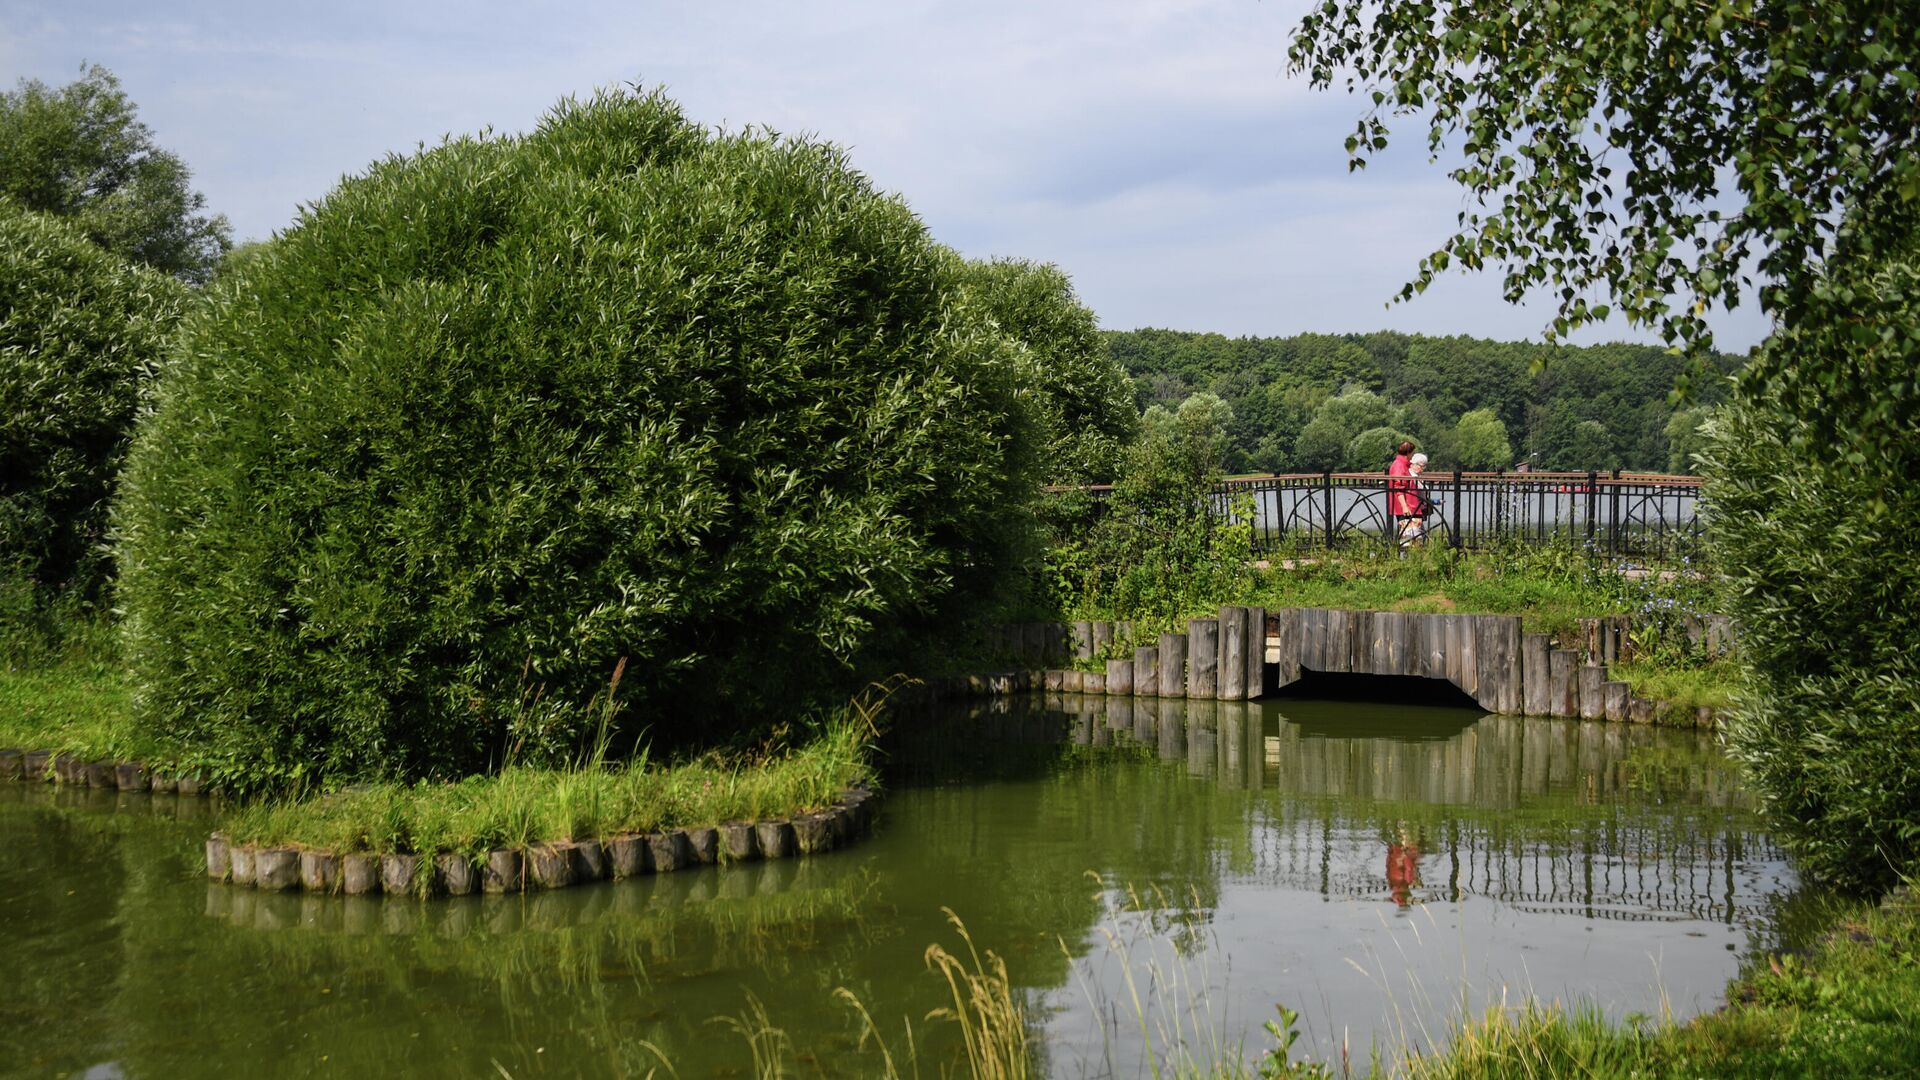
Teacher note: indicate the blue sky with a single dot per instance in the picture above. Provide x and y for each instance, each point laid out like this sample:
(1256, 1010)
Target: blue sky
(1158, 152)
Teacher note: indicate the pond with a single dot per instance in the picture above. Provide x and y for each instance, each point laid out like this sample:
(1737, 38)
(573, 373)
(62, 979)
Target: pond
(1378, 868)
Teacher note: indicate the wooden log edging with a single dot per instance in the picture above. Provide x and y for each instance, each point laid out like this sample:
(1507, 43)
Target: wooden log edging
(55, 767)
(1245, 652)
(555, 864)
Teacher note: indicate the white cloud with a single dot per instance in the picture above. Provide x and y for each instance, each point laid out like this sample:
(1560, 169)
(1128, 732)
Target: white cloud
(1156, 150)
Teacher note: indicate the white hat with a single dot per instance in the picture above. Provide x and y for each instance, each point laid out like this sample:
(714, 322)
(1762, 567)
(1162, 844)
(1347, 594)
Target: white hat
(1417, 459)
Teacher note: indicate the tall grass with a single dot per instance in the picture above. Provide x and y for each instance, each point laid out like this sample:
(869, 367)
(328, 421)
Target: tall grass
(595, 796)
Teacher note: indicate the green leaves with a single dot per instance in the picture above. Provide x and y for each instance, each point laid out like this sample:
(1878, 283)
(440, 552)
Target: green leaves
(79, 153)
(1792, 119)
(497, 415)
(1809, 472)
(81, 333)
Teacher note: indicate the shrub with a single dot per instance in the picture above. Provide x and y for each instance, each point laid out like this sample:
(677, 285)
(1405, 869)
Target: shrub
(1084, 397)
(80, 331)
(492, 416)
(1164, 547)
(1816, 524)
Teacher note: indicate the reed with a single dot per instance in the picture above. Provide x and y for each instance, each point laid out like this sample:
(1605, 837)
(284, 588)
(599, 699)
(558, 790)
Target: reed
(596, 796)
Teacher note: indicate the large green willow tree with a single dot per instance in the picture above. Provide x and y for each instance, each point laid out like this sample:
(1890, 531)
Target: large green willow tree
(1658, 157)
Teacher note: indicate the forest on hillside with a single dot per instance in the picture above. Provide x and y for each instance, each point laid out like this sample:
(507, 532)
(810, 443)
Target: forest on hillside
(1312, 402)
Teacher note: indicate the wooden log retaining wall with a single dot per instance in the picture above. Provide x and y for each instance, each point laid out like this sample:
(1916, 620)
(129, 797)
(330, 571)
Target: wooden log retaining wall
(553, 865)
(54, 767)
(1246, 653)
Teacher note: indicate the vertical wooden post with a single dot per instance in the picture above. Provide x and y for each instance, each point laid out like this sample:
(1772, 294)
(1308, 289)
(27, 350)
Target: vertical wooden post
(1562, 688)
(1433, 630)
(1338, 643)
(1102, 637)
(1534, 649)
(1120, 678)
(1593, 694)
(1232, 681)
(1256, 682)
(1287, 636)
(1507, 634)
(1618, 694)
(1307, 630)
(1383, 637)
(1203, 658)
(1083, 640)
(1466, 637)
(1146, 671)
(1173, 665)
(1359, 641)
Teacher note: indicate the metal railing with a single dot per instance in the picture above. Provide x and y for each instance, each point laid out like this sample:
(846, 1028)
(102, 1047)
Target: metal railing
(1646, 515)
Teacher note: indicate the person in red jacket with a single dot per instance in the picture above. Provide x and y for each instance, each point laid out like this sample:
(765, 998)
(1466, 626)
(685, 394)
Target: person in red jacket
(1403, 865)
(1404, 501)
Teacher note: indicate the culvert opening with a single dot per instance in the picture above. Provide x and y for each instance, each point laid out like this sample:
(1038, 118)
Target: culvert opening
(1378, 689)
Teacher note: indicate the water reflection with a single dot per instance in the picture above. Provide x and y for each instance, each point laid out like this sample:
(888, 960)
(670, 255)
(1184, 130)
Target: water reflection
(1612, 820)
(1368, 866)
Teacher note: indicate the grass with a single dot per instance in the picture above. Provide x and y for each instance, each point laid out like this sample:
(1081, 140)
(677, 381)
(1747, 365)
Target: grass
(75, 699)
(597, 797)
(1850, 1007)
(1550, 587)
(1680, 685)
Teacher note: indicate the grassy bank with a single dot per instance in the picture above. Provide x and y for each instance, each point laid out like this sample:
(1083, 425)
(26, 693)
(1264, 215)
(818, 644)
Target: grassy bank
(1549, 587)
(76, 699)
(1850, 1007)
(598, 797)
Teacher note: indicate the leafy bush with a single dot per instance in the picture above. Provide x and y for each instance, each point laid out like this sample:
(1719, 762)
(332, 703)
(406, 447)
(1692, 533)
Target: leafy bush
(80, 331)
(1084, 397)
(491, 417)
(1161, 549)
(1811, 477)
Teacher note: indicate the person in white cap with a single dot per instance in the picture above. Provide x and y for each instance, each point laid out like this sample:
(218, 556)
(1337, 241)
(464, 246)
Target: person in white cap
(1413, 525)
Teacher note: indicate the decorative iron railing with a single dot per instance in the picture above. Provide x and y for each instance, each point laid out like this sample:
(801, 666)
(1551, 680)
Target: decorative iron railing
(1639, 515)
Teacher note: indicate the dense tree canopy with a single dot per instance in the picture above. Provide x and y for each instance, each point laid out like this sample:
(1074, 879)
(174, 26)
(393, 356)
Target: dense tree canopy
(1084, 399)
(491, 417)
(1298, 402)
(80, 330)
(79, 152)
(1659, 156)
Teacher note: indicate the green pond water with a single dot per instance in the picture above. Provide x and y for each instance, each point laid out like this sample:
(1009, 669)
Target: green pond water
(1378, 868)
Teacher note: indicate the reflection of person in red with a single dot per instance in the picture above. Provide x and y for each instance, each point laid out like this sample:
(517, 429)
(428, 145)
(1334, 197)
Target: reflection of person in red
(1403, 866)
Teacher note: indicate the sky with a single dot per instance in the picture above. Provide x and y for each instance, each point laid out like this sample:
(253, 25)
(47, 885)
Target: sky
(1158, 152)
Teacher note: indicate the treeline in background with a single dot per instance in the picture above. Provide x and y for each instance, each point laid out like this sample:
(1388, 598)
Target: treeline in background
(1315, 402)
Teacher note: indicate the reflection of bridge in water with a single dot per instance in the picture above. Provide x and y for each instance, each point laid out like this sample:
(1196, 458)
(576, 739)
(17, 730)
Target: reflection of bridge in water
(1601, 821)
